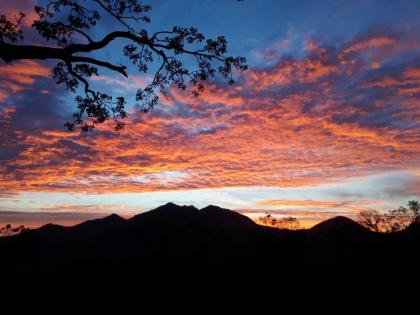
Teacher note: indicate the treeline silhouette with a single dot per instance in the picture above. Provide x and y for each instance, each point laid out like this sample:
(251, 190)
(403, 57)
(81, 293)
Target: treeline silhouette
(174, 241)
(391, 221)
(288, 223)
(374, 220)
(8, 230)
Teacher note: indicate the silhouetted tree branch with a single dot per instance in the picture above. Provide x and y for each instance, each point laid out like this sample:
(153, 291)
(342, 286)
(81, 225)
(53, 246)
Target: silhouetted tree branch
(68, 22)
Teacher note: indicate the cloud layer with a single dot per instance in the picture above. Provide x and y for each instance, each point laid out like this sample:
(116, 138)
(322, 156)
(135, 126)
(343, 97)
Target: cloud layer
(335, 113)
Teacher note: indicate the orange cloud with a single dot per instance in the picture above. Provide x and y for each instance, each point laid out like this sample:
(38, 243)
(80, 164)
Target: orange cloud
(412, 73)
(18, 76)
(370, 43)
(24, 71)
(298, 123)
(290, 71)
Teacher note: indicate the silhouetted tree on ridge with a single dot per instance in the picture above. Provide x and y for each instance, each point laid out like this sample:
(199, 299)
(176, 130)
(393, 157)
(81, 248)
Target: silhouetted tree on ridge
(391, 221)
(7, 230)
(289, 223)
(68, 25)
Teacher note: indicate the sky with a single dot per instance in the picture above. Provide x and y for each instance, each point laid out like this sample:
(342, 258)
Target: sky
(325, 122)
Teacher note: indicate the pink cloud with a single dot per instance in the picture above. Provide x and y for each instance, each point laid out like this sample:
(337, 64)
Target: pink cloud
(18, 76)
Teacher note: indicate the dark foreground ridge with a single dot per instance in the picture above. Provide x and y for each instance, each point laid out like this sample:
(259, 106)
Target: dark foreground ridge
(182, 241)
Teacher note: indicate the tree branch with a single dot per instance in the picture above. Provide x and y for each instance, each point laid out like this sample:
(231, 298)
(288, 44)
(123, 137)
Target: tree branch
(89, 39)
(80, 78)
(10, 52)
(103, 6)
(120, 69)
(77, 64)
(74, 48)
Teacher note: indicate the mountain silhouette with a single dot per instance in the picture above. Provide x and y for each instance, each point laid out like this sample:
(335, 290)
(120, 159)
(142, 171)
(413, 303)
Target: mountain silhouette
(169, 213)
(220, 217)
(338, 224)
(183, 241)
(340, 229)
(109, 222)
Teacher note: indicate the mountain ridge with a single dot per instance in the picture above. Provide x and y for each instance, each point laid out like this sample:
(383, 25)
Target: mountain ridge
(183, 240)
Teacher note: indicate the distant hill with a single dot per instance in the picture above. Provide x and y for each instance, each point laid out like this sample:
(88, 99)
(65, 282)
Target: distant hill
(340, 223)
(183, 241)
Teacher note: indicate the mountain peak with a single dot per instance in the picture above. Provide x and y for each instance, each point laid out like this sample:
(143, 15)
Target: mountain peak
(218, 216)
(338, 223)
(168, 211)
(113, 217)
(212, 208)
(111, 221)
(170, 206)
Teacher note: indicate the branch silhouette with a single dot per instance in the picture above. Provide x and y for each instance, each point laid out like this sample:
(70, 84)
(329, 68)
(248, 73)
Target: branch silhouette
(69, 25)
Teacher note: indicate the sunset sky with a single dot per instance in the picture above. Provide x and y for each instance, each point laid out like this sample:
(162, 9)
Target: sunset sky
(326, 121)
